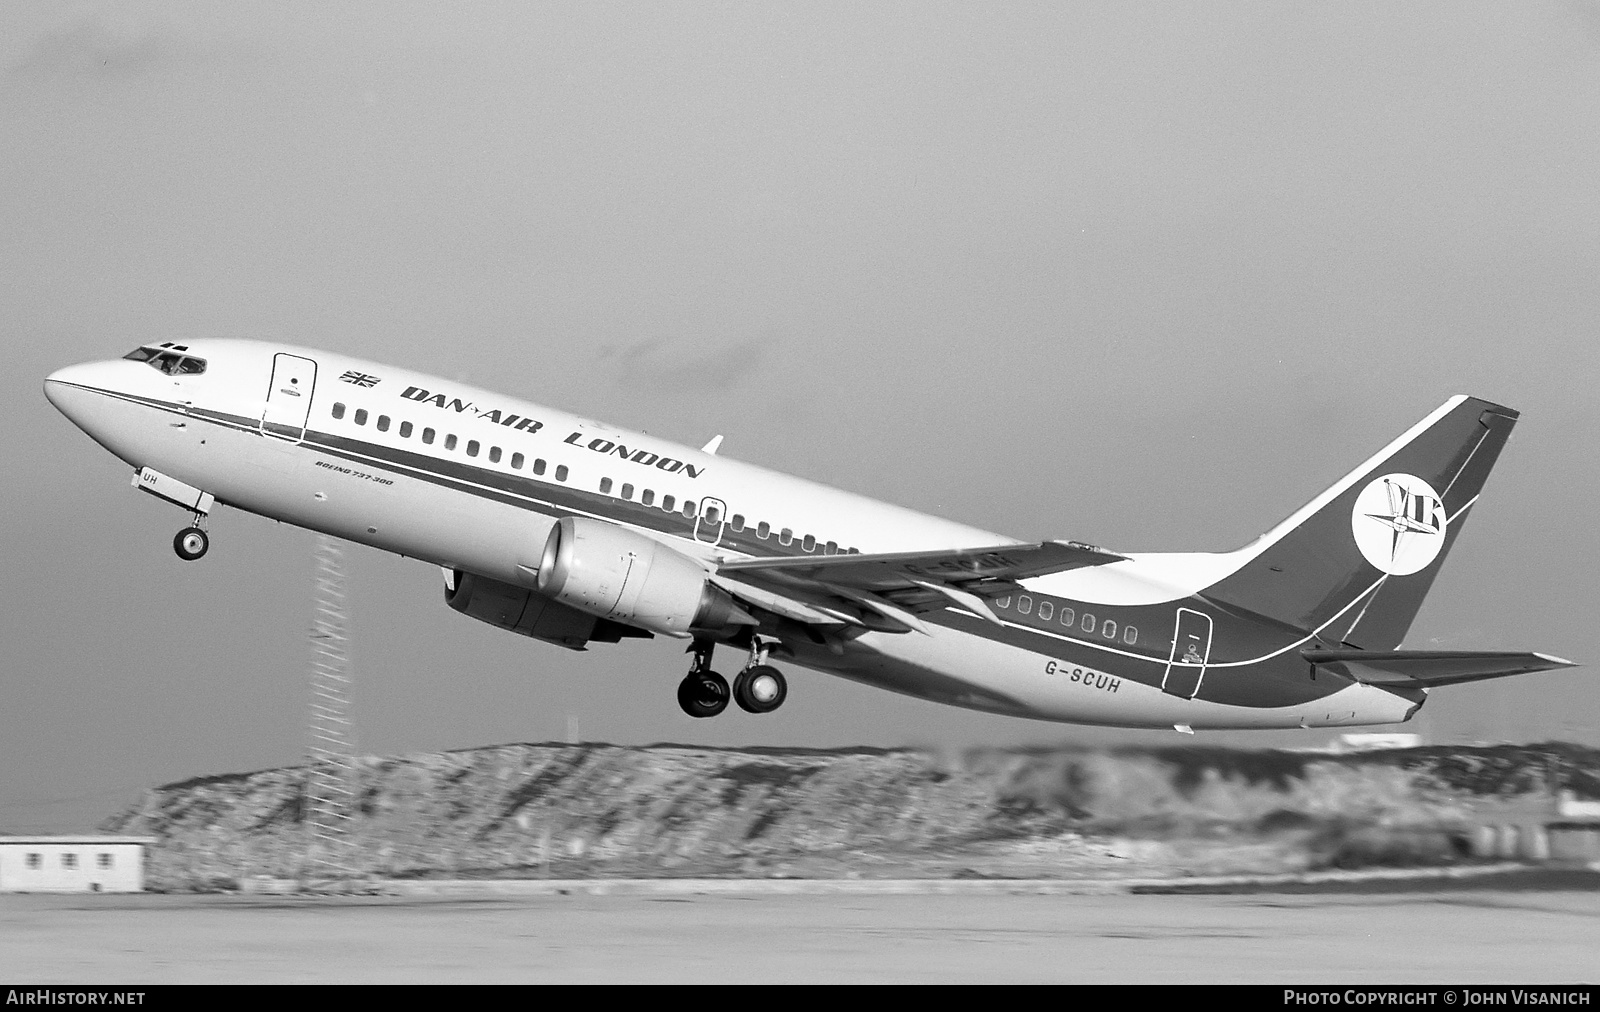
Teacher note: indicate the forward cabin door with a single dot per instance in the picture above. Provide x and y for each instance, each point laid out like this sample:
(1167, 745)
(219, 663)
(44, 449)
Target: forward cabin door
(289, 397)
(1191, 647)
(709, 522)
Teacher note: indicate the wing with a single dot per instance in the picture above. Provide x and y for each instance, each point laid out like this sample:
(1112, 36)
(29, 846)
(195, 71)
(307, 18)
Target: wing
(1427, 668)
(885, 591)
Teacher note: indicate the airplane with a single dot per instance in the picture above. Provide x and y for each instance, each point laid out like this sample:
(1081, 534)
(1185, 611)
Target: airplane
(573, 532)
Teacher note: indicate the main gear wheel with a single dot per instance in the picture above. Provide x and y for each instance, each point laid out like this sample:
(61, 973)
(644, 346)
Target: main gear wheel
(703, 694)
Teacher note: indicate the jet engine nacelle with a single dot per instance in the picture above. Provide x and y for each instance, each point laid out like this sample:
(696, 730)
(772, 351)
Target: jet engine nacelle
(616, 574)
(528, 612)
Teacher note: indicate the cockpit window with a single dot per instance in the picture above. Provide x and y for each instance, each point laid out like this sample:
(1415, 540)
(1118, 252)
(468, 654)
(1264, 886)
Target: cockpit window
(168, 359)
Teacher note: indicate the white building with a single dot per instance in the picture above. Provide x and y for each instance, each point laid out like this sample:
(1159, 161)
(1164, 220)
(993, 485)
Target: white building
(68, 864)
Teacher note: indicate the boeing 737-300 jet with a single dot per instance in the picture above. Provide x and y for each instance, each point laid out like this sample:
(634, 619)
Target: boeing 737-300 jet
(573, 532)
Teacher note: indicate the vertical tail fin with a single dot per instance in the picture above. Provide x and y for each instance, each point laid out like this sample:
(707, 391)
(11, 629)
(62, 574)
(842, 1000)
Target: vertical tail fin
(1357, 560)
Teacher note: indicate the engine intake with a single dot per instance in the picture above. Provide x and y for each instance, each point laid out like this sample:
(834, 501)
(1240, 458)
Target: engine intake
(616, 574)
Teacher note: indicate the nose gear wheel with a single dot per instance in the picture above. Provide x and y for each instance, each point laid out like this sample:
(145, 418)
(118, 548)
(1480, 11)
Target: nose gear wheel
(191, 543)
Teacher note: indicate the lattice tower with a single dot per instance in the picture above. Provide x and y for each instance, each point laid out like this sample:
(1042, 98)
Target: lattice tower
(331, 775)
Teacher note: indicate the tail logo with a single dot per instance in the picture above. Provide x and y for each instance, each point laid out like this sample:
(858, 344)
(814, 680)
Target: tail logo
(1398, 523)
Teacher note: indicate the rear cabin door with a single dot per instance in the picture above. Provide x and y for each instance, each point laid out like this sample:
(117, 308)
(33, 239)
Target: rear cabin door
(709, 522)
(1191, 647)
(289, 397)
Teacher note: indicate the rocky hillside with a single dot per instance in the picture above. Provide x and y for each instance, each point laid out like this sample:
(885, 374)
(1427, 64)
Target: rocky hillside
(592, 810)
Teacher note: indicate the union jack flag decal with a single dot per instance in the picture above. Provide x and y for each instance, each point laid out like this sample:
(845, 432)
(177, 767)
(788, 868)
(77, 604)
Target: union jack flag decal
(360, 379)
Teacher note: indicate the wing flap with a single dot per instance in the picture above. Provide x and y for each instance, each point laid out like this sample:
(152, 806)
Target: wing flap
(805, 609)
(899, 570)
(885, 591)
(1427, 668)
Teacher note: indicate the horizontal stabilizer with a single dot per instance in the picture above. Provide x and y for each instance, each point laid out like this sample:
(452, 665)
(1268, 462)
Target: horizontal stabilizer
(1410, 669)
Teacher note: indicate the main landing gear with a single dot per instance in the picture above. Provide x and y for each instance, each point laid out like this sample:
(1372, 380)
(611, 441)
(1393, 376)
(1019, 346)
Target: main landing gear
(703, 692)
(759, 688)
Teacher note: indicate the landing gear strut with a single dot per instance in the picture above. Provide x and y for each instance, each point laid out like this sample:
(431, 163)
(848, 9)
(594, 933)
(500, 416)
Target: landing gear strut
(703, 692)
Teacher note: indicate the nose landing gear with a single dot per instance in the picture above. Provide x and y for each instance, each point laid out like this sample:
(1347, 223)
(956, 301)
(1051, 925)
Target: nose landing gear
(192, 542)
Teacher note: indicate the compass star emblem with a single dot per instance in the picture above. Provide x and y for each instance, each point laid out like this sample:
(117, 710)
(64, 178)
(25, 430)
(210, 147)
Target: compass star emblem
(1398, 523)
(1399, 517)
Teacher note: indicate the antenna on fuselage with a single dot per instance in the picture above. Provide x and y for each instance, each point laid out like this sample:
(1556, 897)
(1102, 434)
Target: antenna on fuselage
(331, 783)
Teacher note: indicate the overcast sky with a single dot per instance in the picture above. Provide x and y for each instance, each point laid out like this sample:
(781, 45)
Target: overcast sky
(1144, 276)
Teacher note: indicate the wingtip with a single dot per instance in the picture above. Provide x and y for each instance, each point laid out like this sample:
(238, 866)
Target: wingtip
(1559, 661)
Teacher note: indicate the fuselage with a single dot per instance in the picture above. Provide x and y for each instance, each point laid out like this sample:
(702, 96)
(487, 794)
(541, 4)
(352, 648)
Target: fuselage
(472, 480)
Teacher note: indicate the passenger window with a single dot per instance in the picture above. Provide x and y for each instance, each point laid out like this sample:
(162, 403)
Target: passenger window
(831, 548)
(737, 522)
(494, 454)
(1024, 604)
(627, 491)
(538, 465)
(1130, 635)
(763, 530)
(1088, 622)
(1046, 610)
(648, 497)
(338, 410)
(1068, 617)
(383, 423)
(1108, 628)
(1003, 602)
(361, 416)
(808, 543)
(605, 485)
(561, 472)
(450, 441)
(427, 435)
(668, 502)
(785, 536)
(516, 461)
(688, 508)
(405, 430)
(472, 447)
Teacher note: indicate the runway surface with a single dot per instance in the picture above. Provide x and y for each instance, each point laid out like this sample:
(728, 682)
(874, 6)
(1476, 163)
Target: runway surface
(1451, 936)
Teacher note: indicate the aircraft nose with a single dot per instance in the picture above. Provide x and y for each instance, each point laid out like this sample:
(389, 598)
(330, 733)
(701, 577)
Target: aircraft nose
(73, 389)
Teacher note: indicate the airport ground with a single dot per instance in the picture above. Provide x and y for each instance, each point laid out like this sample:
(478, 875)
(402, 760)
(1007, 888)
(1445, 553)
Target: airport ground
(1541, 932)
